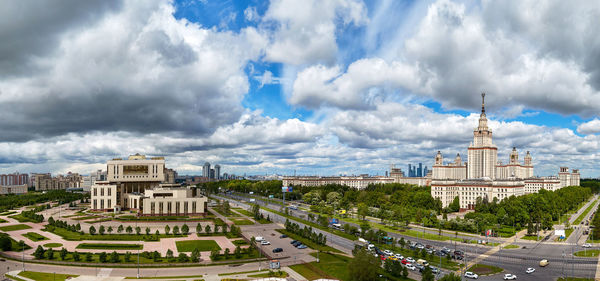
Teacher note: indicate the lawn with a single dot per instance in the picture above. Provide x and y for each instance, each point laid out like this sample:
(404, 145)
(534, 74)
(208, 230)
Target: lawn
(330, 266)
(53, 245)
(109, 246)
(85, 218)
(239, 242)
(587, 253)
(512, 246)
(484, 269)
(3, 220)
(42, 276)
(241, 272)
(21, 218)
(8, 213)
(530, 237)
(230, 214)
(587, 210)
(34, 236)
(307, 242)
(242, 222)
(76, 236)
(14, 227)
(275, 274)
(245, 212)
(202, 245)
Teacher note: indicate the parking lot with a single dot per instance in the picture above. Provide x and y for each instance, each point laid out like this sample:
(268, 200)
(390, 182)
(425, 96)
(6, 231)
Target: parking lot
(269, 234)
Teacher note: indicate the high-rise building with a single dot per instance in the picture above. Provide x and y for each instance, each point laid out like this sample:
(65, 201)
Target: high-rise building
(420, 170)
(14, 179)
(217, 171)
(212, 174)
(206, 170)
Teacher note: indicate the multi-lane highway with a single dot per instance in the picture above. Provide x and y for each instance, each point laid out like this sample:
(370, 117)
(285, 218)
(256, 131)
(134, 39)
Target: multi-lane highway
(516, 261)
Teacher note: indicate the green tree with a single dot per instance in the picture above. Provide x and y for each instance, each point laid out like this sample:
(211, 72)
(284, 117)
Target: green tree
(109, 229)
(155, 256)
(138, 230)
(427, 275)
(147, 231)
(76, 256)
(39, 252)
(63, 253)
(88, 257)
(207, 229)
(216, 230)
(363, 210)
(363, 267)
(185, 229)
(227, 253)
(237, 252)
(182, 257)
(198, 228)
(50, 254)
(169, 254)
(120, 228)
(101, 230)
(176, 230)
(5, 243)
(455, 205)
(167, 229)
(102, 257)
(214, 254)
(129, 229)
(114, 257)
(195, 256)
(92, 230)
(127, 256)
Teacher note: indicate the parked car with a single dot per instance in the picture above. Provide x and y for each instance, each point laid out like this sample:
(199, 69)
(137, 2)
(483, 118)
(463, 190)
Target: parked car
(296, 243)
(434, 270)
(419, 267)
(411, 260)
(259, 238)
(530, 270)
(404, 261)
(283, 236)
(388, 253)
(411, 267)
(277, 250)
(265, 242)
(399, 256)
(422, 262)
(509, 276)
(587, 245)
(302, 246)
(471, 275)
(544, 262)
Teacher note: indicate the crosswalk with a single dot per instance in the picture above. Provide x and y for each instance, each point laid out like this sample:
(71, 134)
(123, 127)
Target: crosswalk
(104, 272)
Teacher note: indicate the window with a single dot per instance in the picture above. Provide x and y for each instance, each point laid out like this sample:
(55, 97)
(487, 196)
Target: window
(109, 191)
(95, 204)
(194, 207)
(95, 193)
(109, 203)
(160, 207)
(101, 191)
(152, 205)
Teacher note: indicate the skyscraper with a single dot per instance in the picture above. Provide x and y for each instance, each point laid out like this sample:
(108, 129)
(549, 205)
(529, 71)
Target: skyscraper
(206, 170)
(218, 171)
(420, 170)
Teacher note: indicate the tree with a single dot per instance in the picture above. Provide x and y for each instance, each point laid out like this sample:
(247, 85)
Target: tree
(102, 257)
(76, 256)
(450, 277)
(207, 229)
(114, 257)
(167, 229)
(237, 252)
(63, 253)
(169, 254)
(176, 230)
(364, 266)
(5, 243)
(120, 228)
(129, 229)
(157, 233)
(227, 253)
(127, 256)
(88, 257)
(216, 230)
(185, 229)
(39, 252)
(101, 230)
(138, 230)
(363, 210)
(182, 257)
(198, 228)
(147, 231)
(404, 272)
(155, 256)
(427, 275)
(214, 254)
(226, 207)
(455, 205)
(92, 230)
(195, 256)
(402, 242)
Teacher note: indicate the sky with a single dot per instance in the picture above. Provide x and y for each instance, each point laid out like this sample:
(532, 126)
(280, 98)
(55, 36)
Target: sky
(313, 87)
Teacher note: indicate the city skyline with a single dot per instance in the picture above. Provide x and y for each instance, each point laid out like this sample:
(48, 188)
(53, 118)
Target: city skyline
(334, 87)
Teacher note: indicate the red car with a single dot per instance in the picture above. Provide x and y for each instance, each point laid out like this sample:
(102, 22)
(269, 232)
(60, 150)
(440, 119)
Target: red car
(404, 261)
(382, 257)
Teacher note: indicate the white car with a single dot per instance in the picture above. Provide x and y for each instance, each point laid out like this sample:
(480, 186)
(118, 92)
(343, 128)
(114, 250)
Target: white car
(587, 245)
(411, 260)
(509, 276)
(399, 257)
(529, 270)
(388, 253)
(471, 275)
(411, 267)
(265, 242)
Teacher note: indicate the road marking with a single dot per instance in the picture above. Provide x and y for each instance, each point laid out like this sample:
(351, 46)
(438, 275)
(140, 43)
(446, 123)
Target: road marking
(104, 272)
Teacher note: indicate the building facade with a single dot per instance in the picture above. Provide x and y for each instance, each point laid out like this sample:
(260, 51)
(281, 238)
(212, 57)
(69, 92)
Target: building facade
(14, 179)
(358, 182)
(483, 176)
(13, 189)
(48, 182)
(138, 181)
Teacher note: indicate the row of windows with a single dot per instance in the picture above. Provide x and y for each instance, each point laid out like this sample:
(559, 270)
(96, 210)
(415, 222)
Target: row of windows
(108, 191)
(101, 206)
(161, 207)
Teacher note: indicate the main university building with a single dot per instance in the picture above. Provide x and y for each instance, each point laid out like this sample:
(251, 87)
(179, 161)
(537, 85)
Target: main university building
(482, 175)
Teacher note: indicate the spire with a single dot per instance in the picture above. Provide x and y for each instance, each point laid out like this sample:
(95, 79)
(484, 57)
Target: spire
(483, 103)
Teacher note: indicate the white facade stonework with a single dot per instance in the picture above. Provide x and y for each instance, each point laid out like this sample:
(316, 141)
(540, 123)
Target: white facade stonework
(359, 182)
(483, 176)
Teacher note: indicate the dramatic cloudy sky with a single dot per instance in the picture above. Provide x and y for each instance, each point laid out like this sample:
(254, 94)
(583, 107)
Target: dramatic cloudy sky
(318, 86)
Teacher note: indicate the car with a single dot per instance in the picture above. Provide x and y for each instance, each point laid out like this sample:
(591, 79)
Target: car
(283, 236)
(277, 250)
(471, 275)
(404, 261)
(587, 245)
(544, 262)
(509, 276)
(265, 242)
(388, 253)
(530, 270)
(434, 270)
(419, 267)
(259, 238)
(394, 258)
(423, 262)
(296, 243)
(293, 241)
(420, 246)
(430, 251)
(399, 256)
(411, 267)
(302, 246)
(382, 257)
(411, 260)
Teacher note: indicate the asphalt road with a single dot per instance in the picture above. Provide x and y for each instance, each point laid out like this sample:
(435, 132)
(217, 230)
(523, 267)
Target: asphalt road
(515, 261)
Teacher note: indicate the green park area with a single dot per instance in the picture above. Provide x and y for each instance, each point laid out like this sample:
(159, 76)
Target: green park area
(242, 222)
(53, 245)
(34, 236)
(587, 253)
(330, 266)
(42, 276)
(14, 227)
(484, 269)
(109, 246)
(201, 245)
(585, 212)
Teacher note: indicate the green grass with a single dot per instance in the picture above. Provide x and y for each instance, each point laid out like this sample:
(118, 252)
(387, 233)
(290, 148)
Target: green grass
(574, 279)
(587, 253)
(16, 247)
(307, 242)
(242, 272)
(276, 274)
(108, 246)
(42, 276)
(3, 221)
(85, 218)
(166, 277)
(100, 220)
(8, 213)
(202, 245)
(34, 236)
(314, 225)
(230, 214)
(53, 245)
(330, 267)
(245, 212)
(239, 242)
(484, 269)
(587, 210)
(14, 227)
(530, 237)
(21, 218)
(159, 218)
(512, 246)
(76, 236)
(263, 221)
(242, 222)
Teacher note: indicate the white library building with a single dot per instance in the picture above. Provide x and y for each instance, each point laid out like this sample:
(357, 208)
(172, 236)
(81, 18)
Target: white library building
(483, 176)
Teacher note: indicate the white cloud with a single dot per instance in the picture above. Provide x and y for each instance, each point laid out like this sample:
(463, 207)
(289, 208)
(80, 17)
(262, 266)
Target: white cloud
(250, 14)
(590, 127)
(305, 30)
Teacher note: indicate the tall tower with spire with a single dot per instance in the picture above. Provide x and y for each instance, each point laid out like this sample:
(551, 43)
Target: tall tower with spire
(482, 153)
